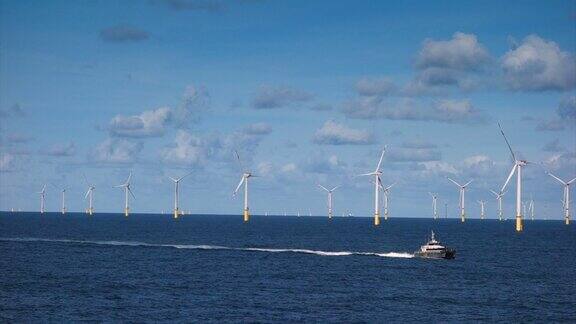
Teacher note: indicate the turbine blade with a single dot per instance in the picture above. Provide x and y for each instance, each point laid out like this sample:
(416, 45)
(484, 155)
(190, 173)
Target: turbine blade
(173, 179)
(569, 182)
(456, 183)
(509, 177)
(184, 176)
(390, 186)
(130, 191)
(555, 177)
(467, 183)
(380, 161)
(87, 193)
(366, 174)
(494, 192)
(321, 186)
(507, 143)
(129, 177)
(239, 184)
(334, 188)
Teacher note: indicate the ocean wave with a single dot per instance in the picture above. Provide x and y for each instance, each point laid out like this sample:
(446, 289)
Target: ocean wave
(211, 247)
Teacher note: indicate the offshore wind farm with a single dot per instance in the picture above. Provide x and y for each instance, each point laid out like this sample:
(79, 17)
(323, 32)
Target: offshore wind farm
(222, 161)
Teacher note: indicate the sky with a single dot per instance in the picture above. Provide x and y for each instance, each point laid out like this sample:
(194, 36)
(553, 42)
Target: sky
(307, 93)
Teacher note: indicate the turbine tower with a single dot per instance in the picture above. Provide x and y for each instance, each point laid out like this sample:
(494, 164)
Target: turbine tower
(176, 185)
(518, 164)
(244, 180)
(566, 198)
(461, 199)
(386, 192)
(377, 184)
(126, 186)
(90, 196)
(434, 204)
(42, 199)
(481, 202)
(499, 200)
(329, 198)
(531, 208)
(64, 201)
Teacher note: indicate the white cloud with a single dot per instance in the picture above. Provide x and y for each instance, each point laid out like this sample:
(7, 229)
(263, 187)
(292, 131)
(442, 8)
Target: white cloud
(258, 129)
(462, 52)
(196, 103)
(68, 149)
(268, 97)
(375, 87)
(538, 65)
(189, 149)
(150, 123)
(8, 162)
(114, 150)
(333, 133)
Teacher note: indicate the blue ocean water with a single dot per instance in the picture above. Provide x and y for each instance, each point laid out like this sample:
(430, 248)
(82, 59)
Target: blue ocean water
(209, 268)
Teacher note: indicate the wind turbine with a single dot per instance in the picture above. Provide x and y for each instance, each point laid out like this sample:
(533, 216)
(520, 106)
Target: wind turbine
(386, 192)
(566, 199)
(434, 204)
(481, 202)
(499, 200)
(461, 200)
(126, 186)
(90, 196)
(377, 184)
(531, 208)
(329, 198)
(176, 185)
(42, 199)
(518, 164)
(244, 180)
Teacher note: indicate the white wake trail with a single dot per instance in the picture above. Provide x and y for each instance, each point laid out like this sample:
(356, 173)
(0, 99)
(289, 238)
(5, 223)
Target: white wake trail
(211, 247)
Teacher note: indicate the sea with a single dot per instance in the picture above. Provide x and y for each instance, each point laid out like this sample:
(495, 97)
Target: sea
(215, 268)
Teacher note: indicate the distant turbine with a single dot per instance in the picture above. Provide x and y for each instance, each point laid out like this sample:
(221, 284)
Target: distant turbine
(386, 192)
(244, 180)
(434, 204)
(518, 164)
(90, 196)
(126, 186)
(176, 185)
(481, 202)
(42, 199)
(329, 199)
(531, 209)
(566, 198)
(377, 184)
(499, 200)
(462, 200)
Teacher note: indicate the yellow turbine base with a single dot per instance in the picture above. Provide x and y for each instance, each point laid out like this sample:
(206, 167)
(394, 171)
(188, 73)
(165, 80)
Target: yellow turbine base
(385, 217)
(463, 218)
(519, 226)
(90, 211)
(376, 219)
(126, 211)
(567, 220)
(176, 212)
(246, 215)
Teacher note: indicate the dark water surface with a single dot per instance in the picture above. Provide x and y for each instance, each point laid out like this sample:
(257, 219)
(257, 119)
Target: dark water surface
(281, 269)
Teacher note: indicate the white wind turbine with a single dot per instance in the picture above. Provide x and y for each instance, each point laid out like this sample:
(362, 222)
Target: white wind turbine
(566, 198)
(377, 184)
(90, 196)
(461, 199)
(434, 204)
(481, 202)
(531, 208)
(126, 186)
(63, 191)
(386, 192)
(244, 180)
(499, 200)
(329, 198)
(42, 200)
(176, 193)
(518, 164)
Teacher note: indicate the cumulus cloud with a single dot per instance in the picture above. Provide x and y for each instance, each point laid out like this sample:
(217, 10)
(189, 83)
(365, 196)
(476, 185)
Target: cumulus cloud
(12, 112)
(115, 150)
(122, 34)
(61, 150)
(9, 163)
(564, 162)
(189, 149)
(565, 116)
(539, 65)
(455, 62)
(478, 165)
(323, 164)
(148, 124)
(448, 111)
(258, 129)
(333, 133)
(375, 87)
(403, 154)
(550, 125)
(268, 97)
(195, 104)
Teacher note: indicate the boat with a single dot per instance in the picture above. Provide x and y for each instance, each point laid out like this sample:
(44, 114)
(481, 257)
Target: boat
(434, 250)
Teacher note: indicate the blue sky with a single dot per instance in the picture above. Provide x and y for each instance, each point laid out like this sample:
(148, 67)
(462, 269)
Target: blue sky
(307, 91)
